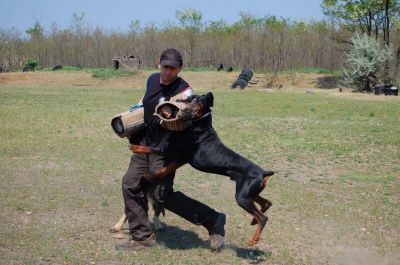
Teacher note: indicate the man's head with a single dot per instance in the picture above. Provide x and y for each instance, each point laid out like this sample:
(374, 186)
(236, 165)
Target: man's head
(170, 65)
(171, 57)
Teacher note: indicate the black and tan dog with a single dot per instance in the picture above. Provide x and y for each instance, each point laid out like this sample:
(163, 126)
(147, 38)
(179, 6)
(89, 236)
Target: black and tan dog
(200, 146)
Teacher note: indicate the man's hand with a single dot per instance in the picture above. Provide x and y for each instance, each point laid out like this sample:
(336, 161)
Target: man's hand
(140, 149)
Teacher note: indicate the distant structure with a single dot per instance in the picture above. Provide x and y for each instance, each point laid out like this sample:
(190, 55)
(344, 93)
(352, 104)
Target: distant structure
(129, 63)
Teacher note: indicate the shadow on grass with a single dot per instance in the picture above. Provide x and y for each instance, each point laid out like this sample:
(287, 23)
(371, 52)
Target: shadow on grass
(257, 256)
(175, 238)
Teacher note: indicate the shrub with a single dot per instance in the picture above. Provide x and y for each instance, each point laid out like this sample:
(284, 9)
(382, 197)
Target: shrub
(57, 67)
(30, 65)
(365, 60)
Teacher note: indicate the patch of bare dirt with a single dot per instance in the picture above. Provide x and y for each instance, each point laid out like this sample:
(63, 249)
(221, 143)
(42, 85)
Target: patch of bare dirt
(347, 255)
(78, 79)
(198, 80)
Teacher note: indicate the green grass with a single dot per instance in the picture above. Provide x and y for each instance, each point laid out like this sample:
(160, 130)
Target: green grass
(65, 68)
(105, 73)
(71, 68)
(310, 70)
(101, 73)
(198, 69)
(337, 184)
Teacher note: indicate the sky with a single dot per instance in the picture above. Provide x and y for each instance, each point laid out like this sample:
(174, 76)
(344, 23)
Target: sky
(117, 14)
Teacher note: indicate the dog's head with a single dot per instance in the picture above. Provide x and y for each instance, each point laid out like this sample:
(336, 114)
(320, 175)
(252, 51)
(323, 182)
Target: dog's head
(200, 104)
(206, 100)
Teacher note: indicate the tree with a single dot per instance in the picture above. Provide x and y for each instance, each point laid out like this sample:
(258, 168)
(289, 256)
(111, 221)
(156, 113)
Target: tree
(36, 31)
(365, 61)
(190, 19)
(36, 34)
(367, 16)
(78, 21)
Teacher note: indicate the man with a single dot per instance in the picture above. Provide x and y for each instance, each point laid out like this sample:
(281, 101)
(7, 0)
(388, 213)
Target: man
(162, 86)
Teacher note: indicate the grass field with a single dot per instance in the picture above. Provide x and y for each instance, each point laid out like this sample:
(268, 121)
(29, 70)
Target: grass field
(336, 193)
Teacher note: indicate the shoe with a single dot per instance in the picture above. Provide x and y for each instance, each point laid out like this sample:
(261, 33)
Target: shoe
(217, 233)
(135, 245)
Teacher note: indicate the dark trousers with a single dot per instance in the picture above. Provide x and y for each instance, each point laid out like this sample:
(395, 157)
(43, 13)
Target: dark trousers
(134, 187)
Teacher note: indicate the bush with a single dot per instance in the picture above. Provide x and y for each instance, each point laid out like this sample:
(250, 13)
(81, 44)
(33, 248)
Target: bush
(30, 65)
(57, 67)
(365, 61)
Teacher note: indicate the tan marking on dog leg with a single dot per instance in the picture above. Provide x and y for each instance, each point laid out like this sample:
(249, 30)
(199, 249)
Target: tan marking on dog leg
(118, 226)
(265, 205)
(157, 224)
(260, 226)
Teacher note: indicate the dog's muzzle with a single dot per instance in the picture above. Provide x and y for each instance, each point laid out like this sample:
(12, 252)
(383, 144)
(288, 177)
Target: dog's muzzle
(181, 118)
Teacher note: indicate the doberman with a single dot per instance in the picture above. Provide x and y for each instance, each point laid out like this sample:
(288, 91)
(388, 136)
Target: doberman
(200, 146)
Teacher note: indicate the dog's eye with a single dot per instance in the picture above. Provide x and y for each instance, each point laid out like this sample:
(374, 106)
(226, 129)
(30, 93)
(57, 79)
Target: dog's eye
(191, 98)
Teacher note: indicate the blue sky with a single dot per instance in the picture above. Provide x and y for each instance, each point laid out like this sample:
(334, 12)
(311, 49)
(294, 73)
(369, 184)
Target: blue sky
(117, 14)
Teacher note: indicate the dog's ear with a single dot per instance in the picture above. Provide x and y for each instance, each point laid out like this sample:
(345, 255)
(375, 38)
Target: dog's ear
(210, 99)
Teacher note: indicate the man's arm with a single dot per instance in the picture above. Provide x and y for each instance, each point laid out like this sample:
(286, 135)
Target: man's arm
(183, 95)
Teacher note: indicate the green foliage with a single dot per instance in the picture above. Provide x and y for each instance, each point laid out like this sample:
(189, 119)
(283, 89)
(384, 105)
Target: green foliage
(217, 26)
(307, 70)
(189, 18)
(134, 26)
(366, 56)
(366, 16)
(65, 68)
(196, 69)
(36, 31)
(271, 22)
(30, 65)
(72, 68)
(105, 73)
(247, 20)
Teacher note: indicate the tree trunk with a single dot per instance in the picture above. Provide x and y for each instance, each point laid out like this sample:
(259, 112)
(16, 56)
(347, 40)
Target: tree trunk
(386, 40)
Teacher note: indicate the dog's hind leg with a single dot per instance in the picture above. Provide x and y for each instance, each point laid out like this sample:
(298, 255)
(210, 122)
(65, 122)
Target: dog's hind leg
(118, 226)
(261, 220)
(264, 203)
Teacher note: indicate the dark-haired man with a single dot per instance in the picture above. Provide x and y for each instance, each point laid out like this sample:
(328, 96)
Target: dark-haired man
(162, 86)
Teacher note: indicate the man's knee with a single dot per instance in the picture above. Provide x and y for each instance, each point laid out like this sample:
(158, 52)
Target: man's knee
(132, 187)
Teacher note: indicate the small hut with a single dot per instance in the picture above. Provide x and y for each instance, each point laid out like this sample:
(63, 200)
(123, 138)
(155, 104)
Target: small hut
(129, 63)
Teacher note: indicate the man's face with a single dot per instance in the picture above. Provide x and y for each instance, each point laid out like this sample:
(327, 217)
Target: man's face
(169, 73)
